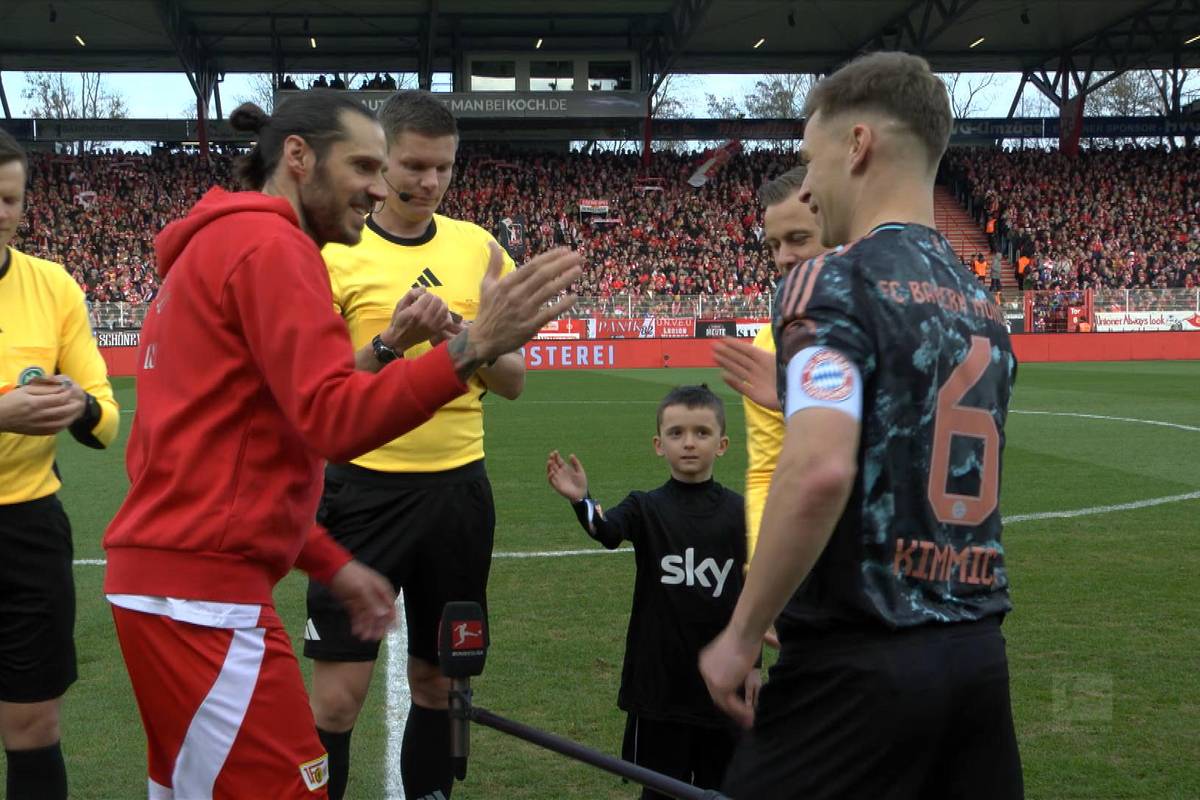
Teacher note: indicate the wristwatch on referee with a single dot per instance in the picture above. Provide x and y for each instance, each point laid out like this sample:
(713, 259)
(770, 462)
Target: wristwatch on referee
(383, 353)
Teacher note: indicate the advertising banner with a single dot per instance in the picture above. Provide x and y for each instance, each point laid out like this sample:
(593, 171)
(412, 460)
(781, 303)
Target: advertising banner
(118, 338)
(716, 328)
(565, 329)
(749, 328)
(1147, 321)
(621, 328)
(675, 328)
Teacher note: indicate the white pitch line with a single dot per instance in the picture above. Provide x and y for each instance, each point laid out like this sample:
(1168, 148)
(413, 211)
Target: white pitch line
(1159, 423)
(1096, 510)
(1090, 511)
(398, 701)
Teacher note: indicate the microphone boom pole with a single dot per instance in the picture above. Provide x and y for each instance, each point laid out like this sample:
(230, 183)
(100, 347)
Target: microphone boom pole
(557, 744)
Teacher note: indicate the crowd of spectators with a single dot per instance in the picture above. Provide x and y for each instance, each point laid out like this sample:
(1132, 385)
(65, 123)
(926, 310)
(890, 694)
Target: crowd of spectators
(658, 239)
(1112, 218)
(652, 243)
(98, 213)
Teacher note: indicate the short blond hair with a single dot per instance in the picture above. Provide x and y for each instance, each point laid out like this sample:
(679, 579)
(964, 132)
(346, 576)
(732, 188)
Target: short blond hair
(898, 85)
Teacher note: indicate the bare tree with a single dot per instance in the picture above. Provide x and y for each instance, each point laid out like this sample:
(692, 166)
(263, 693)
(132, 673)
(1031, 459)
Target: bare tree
(779, 96)
(668, 100)
(1131, 94)
(260, 91)
(55, 95)
(969, 95)
(723, 107)
(1035, 104)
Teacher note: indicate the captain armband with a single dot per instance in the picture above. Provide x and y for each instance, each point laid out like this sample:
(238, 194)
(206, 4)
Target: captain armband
(821, 377)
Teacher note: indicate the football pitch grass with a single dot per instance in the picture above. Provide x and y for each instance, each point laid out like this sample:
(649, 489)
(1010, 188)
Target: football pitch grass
(1104, 645)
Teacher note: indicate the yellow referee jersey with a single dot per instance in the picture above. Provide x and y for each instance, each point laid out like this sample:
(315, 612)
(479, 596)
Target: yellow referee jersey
(764, 441)
(367, 281)
(44, 331)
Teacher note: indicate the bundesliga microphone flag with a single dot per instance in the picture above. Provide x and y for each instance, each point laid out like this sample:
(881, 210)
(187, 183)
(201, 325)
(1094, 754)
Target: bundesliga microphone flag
(462, 640)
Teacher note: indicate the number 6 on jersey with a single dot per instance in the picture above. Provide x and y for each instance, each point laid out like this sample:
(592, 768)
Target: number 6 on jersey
(954, 419)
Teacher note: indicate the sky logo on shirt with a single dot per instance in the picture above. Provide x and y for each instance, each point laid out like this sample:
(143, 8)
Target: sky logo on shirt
(684, 570)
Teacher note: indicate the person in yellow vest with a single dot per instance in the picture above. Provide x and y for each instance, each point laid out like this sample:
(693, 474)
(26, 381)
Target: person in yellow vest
(52, 378)
(793, 236)
(419, 509)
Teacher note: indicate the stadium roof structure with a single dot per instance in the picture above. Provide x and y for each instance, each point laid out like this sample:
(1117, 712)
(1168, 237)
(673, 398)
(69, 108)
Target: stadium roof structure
(691, 36)
(1045, 40)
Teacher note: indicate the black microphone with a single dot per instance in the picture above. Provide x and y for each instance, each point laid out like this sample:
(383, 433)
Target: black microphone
(404, 196)
(462, 651)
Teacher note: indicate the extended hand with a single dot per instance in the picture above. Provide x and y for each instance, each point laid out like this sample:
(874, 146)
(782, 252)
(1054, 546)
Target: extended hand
(418, 316)
(568, 480)
(367, 597)
(514, 308)
(748, 370)
(42, 408)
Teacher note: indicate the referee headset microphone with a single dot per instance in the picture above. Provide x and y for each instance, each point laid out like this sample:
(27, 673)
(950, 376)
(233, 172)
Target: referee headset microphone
(405, 197)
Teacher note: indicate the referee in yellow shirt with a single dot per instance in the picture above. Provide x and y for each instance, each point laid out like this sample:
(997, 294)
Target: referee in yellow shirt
(793, 236)
(419, 509)
(52, 378)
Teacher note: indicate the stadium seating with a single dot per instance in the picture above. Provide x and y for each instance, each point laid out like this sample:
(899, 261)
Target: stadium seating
(655, 245)
(1118, 218)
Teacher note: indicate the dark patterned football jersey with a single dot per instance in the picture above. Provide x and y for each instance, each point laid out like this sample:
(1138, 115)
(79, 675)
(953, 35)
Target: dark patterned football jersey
(919, 540)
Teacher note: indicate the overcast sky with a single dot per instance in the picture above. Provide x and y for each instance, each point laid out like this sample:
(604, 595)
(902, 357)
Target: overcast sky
(159, 95)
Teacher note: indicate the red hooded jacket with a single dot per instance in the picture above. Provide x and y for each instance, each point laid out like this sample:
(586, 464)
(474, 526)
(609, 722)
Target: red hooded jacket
(246, 382)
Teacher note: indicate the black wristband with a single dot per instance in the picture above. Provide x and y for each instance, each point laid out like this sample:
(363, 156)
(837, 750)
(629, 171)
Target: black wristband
(383, 353)
(81, 429)
(585, 510)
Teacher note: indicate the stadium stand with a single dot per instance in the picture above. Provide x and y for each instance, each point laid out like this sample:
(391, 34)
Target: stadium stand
(1114, 219)
(1125, 218)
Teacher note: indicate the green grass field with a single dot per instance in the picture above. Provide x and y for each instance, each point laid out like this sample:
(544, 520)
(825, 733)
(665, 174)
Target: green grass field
(1104, 644)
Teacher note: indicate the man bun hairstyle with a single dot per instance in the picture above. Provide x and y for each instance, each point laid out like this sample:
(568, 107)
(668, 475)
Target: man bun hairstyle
(315, 116)
(898, 85)
(693, 397)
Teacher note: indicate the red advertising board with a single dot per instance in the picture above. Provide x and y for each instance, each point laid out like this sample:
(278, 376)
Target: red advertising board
(565, 329)
(624, 328)
(656, 353)
(676, 328)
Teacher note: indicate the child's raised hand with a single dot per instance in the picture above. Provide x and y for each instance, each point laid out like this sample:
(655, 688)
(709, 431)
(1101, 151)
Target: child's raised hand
(569, 480)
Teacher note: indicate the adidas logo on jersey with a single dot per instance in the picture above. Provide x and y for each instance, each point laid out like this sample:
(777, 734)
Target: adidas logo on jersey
(427, 279)
(684, 569)
(310, 631)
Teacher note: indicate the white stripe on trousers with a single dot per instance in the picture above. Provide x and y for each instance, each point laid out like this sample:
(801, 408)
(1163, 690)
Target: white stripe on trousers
(216, 723)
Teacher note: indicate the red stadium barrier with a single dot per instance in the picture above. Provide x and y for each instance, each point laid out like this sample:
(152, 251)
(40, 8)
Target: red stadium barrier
(655, 353)
(1167, 345)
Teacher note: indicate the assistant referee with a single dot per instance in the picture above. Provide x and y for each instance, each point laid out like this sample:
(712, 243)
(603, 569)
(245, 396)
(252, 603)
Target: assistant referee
(419, 509)
(52, 378)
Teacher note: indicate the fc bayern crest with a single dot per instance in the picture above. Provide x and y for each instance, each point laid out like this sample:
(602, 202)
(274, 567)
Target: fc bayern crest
(828, 376)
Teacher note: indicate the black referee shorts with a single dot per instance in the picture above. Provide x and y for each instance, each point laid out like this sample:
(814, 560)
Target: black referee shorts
(430, 533)
(37, 602)
(915, 715)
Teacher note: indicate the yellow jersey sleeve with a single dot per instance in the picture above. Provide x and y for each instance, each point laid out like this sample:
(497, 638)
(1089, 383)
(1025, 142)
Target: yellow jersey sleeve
(45, 331)
(764, 441)
(79, 359)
